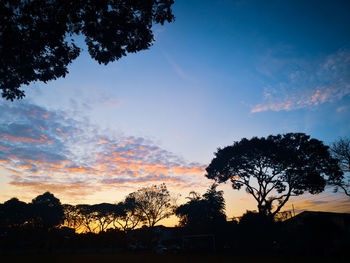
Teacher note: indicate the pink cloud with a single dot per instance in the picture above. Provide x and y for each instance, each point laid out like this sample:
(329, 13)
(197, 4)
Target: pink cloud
(99, 160)
(327, 82)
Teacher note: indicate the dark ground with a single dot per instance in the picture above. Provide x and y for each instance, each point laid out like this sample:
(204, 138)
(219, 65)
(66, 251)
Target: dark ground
(141, 258)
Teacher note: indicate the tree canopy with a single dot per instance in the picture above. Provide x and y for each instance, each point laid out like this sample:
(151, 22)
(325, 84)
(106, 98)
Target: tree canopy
(148, 205)
(341, 151)
(130, 215)
(154, 202)
(275, 168)
(205, 211)
(37, 37)
(47, 211)
(14, 213)
(44, 212)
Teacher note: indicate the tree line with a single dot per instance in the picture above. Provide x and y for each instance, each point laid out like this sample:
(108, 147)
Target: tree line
(271, 170)
(145, 207)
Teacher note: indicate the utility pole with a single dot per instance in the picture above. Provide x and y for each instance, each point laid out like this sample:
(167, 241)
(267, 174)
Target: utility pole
(293, 209)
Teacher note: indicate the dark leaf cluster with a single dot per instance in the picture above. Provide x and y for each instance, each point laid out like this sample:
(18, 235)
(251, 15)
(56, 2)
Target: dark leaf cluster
(44, 212)
(203, 212)
(37, 37)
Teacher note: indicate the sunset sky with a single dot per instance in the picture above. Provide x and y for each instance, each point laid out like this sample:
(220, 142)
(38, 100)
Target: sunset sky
(222, 71)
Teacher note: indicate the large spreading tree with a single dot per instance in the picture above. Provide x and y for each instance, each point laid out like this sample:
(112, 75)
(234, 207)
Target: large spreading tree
(37, 36)
(275, 168)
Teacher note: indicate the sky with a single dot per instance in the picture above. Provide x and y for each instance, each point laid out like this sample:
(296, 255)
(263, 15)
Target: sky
(224, 70)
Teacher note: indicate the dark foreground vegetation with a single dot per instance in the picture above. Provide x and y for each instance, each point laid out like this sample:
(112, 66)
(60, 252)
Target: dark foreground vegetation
(309, 234)
(189, 258)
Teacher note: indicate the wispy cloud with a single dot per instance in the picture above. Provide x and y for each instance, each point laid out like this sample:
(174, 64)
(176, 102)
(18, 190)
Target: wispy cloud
(309, 86)
(326, 201)
(342, 108)
(49, 150)
(179, 71)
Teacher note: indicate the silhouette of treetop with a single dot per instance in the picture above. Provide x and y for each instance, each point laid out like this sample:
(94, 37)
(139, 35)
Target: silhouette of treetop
(275, 168)
(203, 212)
(47, 211)
(36, 37)
(154, 203)
(341, 151)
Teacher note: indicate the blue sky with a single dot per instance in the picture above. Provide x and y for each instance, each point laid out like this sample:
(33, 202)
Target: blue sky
(222, 71)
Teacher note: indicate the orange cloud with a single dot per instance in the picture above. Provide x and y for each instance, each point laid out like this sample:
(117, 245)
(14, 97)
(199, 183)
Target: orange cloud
(79, 169)
(130, 161)
(25, 166)
(294, 102)
(272, 106)
(4, 148)
(315, 96)
(68, 189)
(60, 131)
(191, 170)
(323, 83)
(23, 139)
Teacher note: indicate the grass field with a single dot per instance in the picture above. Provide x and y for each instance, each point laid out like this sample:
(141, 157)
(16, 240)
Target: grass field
(141, 258)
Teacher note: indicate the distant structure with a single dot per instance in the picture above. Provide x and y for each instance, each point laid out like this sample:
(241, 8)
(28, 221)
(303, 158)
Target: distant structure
(339, 220)
(319, 233)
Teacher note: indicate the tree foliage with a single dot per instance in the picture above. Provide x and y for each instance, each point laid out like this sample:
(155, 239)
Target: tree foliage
(47, 211)
(148, 205)
(275, 168)
(341, 151)
(203, 212)
(104, 215)
(37, 37)
(254, 219)
(129, 216)
(72, 218)
(44, 212)
(14, 213)
(154, 203)
(87, 218)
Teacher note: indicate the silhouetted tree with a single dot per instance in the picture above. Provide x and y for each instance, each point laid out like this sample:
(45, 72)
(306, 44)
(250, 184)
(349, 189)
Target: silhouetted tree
(275, 168)
(87, 217)
(154, 202)
(258, 232)
(36, 37)
(14, 213)
(341, 151)
(190, 213)
(203, 212)
(104, 215)
(72, 217)
(253, 218)
(128, 215)
(216, 204)
(47, 211)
